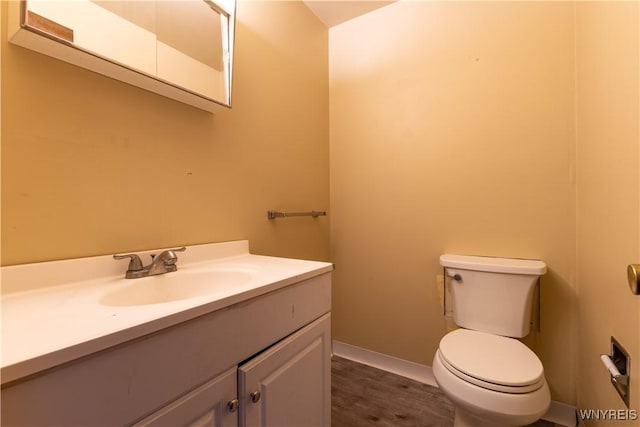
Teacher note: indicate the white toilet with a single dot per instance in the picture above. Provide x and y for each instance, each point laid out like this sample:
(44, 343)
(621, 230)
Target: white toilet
(492, 378)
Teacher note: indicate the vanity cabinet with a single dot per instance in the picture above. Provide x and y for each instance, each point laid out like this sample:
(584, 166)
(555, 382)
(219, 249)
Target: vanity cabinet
(290, 383)
(213, 404)
(277, 343)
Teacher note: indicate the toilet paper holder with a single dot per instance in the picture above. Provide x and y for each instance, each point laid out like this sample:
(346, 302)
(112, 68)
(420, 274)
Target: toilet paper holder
(618, 365)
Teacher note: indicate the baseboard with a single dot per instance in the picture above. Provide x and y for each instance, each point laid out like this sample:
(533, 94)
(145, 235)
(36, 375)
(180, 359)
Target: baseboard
(559, 413)
(405, 368)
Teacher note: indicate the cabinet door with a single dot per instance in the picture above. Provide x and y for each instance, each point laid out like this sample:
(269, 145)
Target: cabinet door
(210, 405)
(289, 385)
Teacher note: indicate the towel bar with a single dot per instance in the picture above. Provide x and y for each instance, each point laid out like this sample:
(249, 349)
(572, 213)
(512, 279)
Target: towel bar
(276, 214)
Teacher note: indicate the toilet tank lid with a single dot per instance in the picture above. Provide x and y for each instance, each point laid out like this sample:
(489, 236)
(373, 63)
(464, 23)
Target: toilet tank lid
(494, 264)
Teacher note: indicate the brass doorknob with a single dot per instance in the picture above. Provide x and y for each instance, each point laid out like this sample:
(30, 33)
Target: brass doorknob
(633, 274)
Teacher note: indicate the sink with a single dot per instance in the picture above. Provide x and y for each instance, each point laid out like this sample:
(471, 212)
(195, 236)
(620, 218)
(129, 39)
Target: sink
(180, 285)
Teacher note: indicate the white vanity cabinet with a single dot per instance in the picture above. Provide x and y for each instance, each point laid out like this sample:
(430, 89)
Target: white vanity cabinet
(212, 405)
(277, 343)
(290, 383)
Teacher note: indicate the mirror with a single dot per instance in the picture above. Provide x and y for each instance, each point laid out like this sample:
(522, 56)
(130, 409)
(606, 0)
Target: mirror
(184, 46)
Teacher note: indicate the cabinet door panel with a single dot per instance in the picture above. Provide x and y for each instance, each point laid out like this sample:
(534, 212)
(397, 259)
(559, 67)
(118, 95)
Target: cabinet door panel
(205, 406)
(293, 379)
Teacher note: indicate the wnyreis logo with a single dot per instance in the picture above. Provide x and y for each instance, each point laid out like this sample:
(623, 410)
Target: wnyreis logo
(609, 414)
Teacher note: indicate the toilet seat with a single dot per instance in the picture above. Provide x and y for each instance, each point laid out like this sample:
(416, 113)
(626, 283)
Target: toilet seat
(491, 361)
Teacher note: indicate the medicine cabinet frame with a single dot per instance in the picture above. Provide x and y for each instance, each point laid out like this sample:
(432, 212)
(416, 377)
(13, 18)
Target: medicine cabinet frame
(53, 44)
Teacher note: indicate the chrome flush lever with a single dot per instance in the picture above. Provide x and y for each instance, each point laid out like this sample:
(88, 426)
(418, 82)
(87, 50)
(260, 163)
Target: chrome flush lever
(456, 277)
(633, 274)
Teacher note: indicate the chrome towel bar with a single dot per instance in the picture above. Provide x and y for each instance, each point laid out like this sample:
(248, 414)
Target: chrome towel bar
(276, 214)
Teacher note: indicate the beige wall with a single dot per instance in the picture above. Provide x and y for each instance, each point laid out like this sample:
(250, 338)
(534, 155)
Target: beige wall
(94, 166)
(608, 196)
(489, 128)
(452, 130)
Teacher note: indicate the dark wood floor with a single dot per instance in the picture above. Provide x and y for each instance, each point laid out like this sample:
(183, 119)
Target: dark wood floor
(362, 396)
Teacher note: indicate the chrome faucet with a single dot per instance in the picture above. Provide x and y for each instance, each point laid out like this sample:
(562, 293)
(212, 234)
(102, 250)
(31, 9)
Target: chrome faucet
(165, 262)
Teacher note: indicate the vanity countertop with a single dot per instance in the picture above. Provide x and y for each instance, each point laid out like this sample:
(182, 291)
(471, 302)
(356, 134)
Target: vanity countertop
(55, 312)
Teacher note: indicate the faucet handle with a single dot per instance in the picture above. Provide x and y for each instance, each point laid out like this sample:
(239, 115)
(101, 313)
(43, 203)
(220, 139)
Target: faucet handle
(170, 257)
(135, 264)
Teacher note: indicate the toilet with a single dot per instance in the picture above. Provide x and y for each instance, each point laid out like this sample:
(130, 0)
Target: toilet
(492, 378)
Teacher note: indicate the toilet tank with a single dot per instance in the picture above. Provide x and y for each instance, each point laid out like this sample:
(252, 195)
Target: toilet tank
(493, 295)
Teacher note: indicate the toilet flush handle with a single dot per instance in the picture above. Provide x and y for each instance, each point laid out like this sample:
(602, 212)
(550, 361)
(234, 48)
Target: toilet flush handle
(633, 274)
(458, 278)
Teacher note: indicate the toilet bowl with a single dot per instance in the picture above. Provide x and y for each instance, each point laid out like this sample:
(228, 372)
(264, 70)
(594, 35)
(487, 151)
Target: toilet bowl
(493, 381)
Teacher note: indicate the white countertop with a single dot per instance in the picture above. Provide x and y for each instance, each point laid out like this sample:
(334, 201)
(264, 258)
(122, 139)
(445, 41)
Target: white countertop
(55, 312)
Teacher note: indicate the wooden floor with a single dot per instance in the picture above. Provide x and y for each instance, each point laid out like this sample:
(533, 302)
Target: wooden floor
(362, 396)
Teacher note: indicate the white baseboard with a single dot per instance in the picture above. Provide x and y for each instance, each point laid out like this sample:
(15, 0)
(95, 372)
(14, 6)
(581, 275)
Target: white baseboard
(405, 368)
(559, 413)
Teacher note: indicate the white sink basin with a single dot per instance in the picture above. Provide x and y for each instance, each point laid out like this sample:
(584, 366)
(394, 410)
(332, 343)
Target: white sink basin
(57, 311)
(175, 286)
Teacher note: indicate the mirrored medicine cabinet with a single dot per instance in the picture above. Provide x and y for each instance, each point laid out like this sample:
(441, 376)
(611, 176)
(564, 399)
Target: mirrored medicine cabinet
(181, 49)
